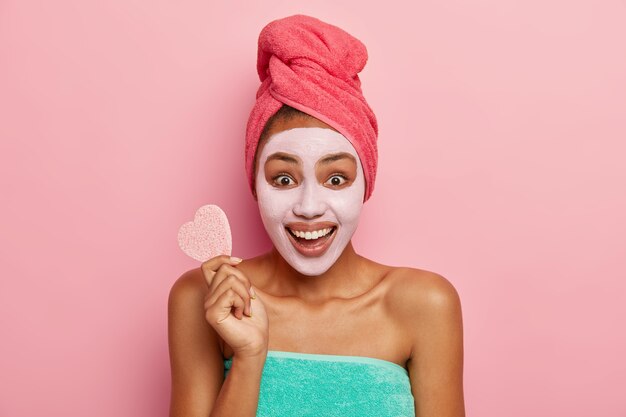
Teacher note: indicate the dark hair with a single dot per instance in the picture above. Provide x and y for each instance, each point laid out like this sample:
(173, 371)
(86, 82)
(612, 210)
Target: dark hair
(284, 113)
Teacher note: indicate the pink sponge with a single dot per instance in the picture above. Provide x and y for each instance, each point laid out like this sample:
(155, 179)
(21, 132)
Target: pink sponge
(207, 236)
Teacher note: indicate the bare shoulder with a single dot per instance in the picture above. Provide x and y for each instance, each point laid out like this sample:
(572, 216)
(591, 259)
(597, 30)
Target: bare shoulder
(196, 358)
(190, 283)
(186, 301)
(414, 292)
(428, 309)
(186, 304)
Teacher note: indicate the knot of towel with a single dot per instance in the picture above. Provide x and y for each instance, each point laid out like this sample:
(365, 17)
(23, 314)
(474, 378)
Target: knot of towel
(313, 66)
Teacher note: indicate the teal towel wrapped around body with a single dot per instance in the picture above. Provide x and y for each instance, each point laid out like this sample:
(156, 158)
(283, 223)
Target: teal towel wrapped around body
(297, 384)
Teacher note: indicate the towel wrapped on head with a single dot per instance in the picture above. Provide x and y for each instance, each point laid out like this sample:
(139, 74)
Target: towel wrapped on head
(313, 66)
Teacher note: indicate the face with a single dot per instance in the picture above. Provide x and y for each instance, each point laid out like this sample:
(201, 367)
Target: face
(309, 186)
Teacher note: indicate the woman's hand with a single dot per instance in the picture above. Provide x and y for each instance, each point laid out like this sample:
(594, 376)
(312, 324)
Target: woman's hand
(239, 319)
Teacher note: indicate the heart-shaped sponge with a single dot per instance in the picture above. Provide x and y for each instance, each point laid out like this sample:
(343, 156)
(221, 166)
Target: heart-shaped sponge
(208, 235)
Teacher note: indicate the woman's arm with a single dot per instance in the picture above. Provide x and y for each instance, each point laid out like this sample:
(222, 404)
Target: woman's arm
(431, 309)
(197, 367)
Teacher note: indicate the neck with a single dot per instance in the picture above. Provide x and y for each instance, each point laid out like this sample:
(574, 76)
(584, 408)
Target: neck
(342, 280)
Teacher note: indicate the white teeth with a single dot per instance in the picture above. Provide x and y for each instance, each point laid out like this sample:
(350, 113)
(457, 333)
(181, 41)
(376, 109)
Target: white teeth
(316, 234)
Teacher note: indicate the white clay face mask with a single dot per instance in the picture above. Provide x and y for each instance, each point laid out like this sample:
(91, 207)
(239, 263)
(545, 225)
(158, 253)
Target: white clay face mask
(309, 213)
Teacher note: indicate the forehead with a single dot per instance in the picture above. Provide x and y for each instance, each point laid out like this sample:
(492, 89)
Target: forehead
(308, 143)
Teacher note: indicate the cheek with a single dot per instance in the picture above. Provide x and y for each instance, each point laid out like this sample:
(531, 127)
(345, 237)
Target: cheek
(267, 205)
(347, 205)
(274, 206)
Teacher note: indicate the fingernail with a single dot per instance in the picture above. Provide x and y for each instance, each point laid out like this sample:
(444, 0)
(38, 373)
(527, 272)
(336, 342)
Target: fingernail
(252, 293)
(235, 259)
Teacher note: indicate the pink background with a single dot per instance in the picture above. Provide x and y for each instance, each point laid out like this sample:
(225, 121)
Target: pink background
(502, 129)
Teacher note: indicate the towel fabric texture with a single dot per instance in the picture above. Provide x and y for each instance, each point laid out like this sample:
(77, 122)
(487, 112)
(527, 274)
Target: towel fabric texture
(313, 66)
(312, 385)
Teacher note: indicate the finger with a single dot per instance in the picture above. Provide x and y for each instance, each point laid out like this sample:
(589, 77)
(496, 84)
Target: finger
(210, 266)
(222, 308)
(225, 270)
(239, 305)
(234, 283)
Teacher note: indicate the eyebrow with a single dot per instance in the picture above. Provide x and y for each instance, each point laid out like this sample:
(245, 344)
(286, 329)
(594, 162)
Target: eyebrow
(336, 157)
(281, 156)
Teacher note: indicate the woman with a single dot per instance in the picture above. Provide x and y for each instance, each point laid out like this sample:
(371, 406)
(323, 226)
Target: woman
(312, 328)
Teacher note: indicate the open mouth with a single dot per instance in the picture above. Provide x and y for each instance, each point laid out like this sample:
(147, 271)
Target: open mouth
(316, 244)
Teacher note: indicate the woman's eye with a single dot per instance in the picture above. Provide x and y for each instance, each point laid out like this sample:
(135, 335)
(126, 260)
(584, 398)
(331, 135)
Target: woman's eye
(282, 180)
(336, 180)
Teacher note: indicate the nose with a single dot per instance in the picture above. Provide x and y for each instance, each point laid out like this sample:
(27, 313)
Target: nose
(311, 203)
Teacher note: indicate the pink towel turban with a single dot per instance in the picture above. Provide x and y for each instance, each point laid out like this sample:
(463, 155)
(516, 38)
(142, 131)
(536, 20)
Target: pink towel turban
(313, 66)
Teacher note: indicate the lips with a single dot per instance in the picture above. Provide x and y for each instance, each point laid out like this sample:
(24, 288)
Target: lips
(312, 247)
(309, 227)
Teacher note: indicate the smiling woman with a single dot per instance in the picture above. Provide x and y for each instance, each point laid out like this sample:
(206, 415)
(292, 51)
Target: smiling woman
(348, 336)
(317, 185)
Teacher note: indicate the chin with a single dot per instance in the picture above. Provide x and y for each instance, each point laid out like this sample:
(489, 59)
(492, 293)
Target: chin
(310, 266)
(311, 270)
(306, 265)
